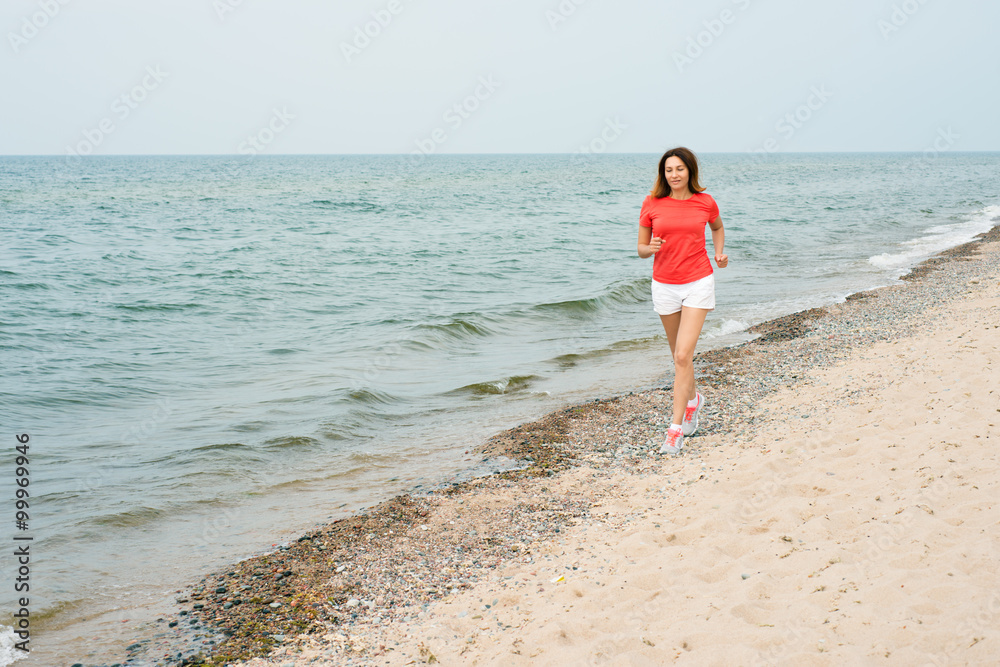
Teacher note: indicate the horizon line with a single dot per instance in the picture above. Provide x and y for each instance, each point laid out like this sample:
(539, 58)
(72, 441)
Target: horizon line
(431, 155)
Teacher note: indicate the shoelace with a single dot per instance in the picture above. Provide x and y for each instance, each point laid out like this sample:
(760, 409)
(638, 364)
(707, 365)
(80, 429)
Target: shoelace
(689, 413)
(672, 437)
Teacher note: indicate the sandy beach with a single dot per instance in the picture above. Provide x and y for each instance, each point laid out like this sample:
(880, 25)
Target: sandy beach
(838, 506)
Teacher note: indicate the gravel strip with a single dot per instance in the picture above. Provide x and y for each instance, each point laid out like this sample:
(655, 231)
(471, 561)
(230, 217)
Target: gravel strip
(354, 584)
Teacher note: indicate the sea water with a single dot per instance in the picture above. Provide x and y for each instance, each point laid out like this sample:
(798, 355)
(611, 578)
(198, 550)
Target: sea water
(213, 354)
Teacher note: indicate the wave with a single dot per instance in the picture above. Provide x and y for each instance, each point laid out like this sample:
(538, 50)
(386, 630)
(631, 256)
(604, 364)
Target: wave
(222, 446)
(368, 460)
(291, 441)
(340, 431)
(122, 254)
(143, 307)
(936, 239)
(571, 359)
(626, 293)
(507, 385)
(356, 206)
(353, 424)
(459, 328)
(372, 397)
(224, 459)
(40, 616)
(472, 326)
(129, 518)
(725, 328)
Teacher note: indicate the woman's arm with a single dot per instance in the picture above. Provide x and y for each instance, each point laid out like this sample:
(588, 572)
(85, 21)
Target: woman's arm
(719, 241)
(647, 247)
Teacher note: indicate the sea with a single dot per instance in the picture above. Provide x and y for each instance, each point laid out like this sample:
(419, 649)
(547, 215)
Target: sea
(210, 355)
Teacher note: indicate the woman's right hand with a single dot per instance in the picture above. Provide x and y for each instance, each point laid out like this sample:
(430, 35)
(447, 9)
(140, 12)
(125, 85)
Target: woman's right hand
(655, 243)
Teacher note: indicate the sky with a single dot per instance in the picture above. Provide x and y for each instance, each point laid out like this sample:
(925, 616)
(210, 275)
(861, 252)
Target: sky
(108, 77)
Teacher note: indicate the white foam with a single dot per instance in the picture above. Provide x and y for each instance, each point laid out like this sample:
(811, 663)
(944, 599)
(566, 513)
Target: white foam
(725, 328)
(9, 654)
(936, 239)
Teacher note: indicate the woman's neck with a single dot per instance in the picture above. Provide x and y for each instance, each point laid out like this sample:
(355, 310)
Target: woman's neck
(680, 195)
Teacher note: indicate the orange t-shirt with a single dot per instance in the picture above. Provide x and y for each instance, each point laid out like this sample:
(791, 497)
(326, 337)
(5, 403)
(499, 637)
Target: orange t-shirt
(681, 224)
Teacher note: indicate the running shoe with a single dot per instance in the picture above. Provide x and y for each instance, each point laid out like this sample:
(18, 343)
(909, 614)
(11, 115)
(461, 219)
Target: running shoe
(673, 442)
(690, 424)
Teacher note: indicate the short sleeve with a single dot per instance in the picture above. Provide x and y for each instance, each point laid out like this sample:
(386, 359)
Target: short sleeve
(644, 214)
(713, 209)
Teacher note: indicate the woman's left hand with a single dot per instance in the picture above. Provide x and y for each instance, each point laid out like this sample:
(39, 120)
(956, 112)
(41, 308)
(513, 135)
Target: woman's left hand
(722, 261)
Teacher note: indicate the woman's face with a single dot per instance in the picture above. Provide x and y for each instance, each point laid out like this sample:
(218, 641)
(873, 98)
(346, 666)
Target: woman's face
(676, 173)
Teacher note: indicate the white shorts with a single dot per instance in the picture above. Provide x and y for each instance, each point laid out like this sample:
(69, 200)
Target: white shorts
(668, 299)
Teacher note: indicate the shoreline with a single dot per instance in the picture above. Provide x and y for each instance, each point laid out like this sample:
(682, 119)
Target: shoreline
(354, 580)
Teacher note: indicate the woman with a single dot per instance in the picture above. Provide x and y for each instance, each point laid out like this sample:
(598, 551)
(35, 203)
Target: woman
(672, 227)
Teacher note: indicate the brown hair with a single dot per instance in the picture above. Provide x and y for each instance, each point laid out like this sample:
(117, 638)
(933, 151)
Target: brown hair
(662, 188)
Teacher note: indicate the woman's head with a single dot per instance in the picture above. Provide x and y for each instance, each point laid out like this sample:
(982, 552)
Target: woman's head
(679, 165)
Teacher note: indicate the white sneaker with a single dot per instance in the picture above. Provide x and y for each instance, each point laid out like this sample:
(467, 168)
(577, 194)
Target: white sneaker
(673, 442)
(690, 423)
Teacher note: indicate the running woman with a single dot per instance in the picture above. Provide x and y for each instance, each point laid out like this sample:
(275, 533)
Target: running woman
(672, 227)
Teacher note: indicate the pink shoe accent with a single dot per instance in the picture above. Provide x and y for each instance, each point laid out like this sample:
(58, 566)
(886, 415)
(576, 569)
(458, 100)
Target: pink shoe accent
(690, 423)
(673, 442)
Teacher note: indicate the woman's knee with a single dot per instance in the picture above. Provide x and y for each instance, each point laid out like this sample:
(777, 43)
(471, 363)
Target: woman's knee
(683, 358)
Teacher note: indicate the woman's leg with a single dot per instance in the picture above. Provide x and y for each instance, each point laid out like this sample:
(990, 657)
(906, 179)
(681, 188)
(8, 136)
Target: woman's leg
(670, 325)
(683, 329)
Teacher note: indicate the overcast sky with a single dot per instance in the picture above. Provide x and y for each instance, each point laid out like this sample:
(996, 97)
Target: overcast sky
(522, 76)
